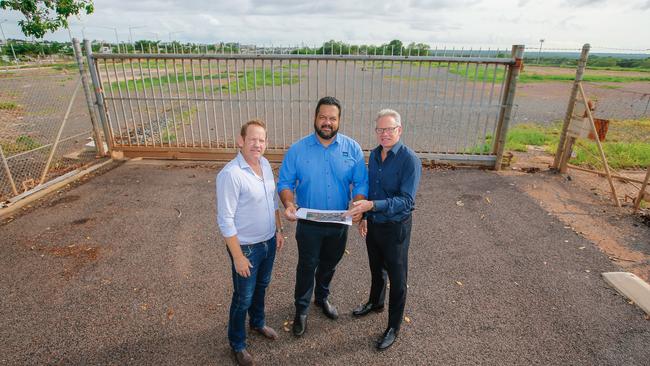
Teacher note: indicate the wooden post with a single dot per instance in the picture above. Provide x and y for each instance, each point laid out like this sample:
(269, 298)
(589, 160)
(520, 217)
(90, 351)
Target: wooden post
(600, 147)
(8, 171)
(637, 201)
(564, 147)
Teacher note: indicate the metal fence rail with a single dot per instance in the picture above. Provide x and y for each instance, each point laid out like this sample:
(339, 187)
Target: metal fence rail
(171, 104)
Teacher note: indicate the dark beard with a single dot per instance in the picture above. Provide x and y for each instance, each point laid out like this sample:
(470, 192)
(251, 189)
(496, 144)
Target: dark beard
(324, 135)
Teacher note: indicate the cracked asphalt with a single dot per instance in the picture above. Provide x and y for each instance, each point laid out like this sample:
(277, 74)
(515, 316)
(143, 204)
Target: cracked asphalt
(129, 268)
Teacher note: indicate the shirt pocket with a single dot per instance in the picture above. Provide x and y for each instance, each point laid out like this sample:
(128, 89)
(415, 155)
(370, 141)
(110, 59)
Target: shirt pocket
(344, 168)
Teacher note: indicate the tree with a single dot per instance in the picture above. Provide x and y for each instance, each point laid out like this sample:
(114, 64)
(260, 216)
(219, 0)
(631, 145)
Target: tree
(42, 16)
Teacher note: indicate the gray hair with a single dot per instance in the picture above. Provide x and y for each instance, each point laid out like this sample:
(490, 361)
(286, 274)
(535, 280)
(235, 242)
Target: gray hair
(389, 112)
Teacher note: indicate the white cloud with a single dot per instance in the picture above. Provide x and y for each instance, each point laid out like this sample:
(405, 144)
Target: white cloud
(464, 23)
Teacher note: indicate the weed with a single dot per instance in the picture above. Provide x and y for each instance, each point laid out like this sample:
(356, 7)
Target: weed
(8, 106)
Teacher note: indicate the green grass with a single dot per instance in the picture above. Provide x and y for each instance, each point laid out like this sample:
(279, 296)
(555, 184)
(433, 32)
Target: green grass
(619, 155)
(530, 78)
(520, 136)
(230, 84)
(8, 105)
(21, 144)
(481, 73)
(627, 144)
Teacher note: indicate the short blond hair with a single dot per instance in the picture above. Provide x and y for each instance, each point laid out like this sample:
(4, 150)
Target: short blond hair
(255, 122)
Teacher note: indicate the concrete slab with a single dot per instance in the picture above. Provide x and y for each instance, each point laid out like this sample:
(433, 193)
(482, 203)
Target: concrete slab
(630, 286)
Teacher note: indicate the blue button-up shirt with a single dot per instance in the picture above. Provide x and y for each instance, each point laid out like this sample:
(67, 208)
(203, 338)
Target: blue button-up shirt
(321, 176)
(246, 202)
(393, 183)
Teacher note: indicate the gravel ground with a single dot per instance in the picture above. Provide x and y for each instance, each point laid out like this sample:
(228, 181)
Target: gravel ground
(129, 268)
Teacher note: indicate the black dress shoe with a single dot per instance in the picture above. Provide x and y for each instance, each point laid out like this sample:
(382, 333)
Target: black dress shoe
(328, 309)
(366, 308)
(299, 325)
(387, 339)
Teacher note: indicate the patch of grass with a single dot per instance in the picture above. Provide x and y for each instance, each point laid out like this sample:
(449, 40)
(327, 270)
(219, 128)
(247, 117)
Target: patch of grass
(481, 73)
(21, 144)
(605, 86)
(8, 106)
(619, 155)
(168, 138)
(232, 83)
(627, 144)
(530, 78)
(528, 134)
(631, 130)
(65, 66)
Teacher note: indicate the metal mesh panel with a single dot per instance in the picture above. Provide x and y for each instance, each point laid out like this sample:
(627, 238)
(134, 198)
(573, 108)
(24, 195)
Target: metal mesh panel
(33, 107)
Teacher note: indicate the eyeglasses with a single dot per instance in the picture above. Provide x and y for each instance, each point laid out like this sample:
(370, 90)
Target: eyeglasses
(390, 130)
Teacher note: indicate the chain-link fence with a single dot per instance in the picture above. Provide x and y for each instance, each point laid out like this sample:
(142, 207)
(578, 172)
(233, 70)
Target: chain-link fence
(45, 128)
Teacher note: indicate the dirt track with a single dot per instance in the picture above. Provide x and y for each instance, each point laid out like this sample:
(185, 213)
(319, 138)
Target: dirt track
(129, 268)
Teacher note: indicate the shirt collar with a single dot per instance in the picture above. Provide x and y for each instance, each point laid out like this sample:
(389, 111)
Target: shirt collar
(242, 162)
(395, 149)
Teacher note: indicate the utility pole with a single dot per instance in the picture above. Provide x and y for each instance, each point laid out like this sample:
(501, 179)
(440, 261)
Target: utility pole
(539, 53)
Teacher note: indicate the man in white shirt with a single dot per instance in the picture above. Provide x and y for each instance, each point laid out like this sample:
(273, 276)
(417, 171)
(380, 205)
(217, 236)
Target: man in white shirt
(248, 217)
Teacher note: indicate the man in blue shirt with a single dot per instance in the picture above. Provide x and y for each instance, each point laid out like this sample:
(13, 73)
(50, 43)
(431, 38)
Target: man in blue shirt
(317, 172)
(248, 217)
(394, 172)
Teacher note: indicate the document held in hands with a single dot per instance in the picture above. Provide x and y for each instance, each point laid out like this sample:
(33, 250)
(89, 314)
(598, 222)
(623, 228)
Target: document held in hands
(332, 216)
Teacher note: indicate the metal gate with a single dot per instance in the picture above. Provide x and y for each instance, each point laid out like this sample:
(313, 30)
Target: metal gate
(191, 106)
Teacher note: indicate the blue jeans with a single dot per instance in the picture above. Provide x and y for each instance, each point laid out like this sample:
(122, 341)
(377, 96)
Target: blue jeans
(249, 292)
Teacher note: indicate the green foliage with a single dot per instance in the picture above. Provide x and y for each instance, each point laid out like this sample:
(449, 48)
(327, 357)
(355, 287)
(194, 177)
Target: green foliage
(33, 49)
(594, 61)
(42, 16)
(619, 154)
(8, 105)
(394, 47)
(232, 83)
(21, 144)
(527, 134)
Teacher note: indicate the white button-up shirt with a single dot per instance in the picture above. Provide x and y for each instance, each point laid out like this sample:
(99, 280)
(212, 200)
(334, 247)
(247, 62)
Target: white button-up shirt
(246, 202)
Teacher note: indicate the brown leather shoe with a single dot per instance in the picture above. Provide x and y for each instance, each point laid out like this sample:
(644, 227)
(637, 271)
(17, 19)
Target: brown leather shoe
(267, 332)
(244, 358)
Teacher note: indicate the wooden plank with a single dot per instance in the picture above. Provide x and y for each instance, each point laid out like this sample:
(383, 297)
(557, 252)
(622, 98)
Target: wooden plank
(600, 149)
(630, 286)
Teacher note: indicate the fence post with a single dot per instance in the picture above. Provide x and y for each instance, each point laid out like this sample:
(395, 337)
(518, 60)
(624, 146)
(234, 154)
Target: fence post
(99, 96)
(507, 102)
(99, 144)
(8, 171)
(564, 147)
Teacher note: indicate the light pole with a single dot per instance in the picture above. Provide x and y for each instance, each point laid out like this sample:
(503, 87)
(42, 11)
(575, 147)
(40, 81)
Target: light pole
(172, 42)
(131, 28)
(5, 39)
(117, 39)
(539, 53)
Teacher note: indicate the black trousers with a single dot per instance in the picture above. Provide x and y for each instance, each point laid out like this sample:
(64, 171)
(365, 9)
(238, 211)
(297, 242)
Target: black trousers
(388, 246)
(320, 248)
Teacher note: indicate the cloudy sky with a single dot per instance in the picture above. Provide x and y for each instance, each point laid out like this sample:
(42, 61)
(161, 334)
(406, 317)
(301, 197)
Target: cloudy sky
(608, 25)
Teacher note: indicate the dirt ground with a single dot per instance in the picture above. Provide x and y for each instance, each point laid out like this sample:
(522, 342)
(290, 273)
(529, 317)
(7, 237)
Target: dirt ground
(583, 201)
(127, 267)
